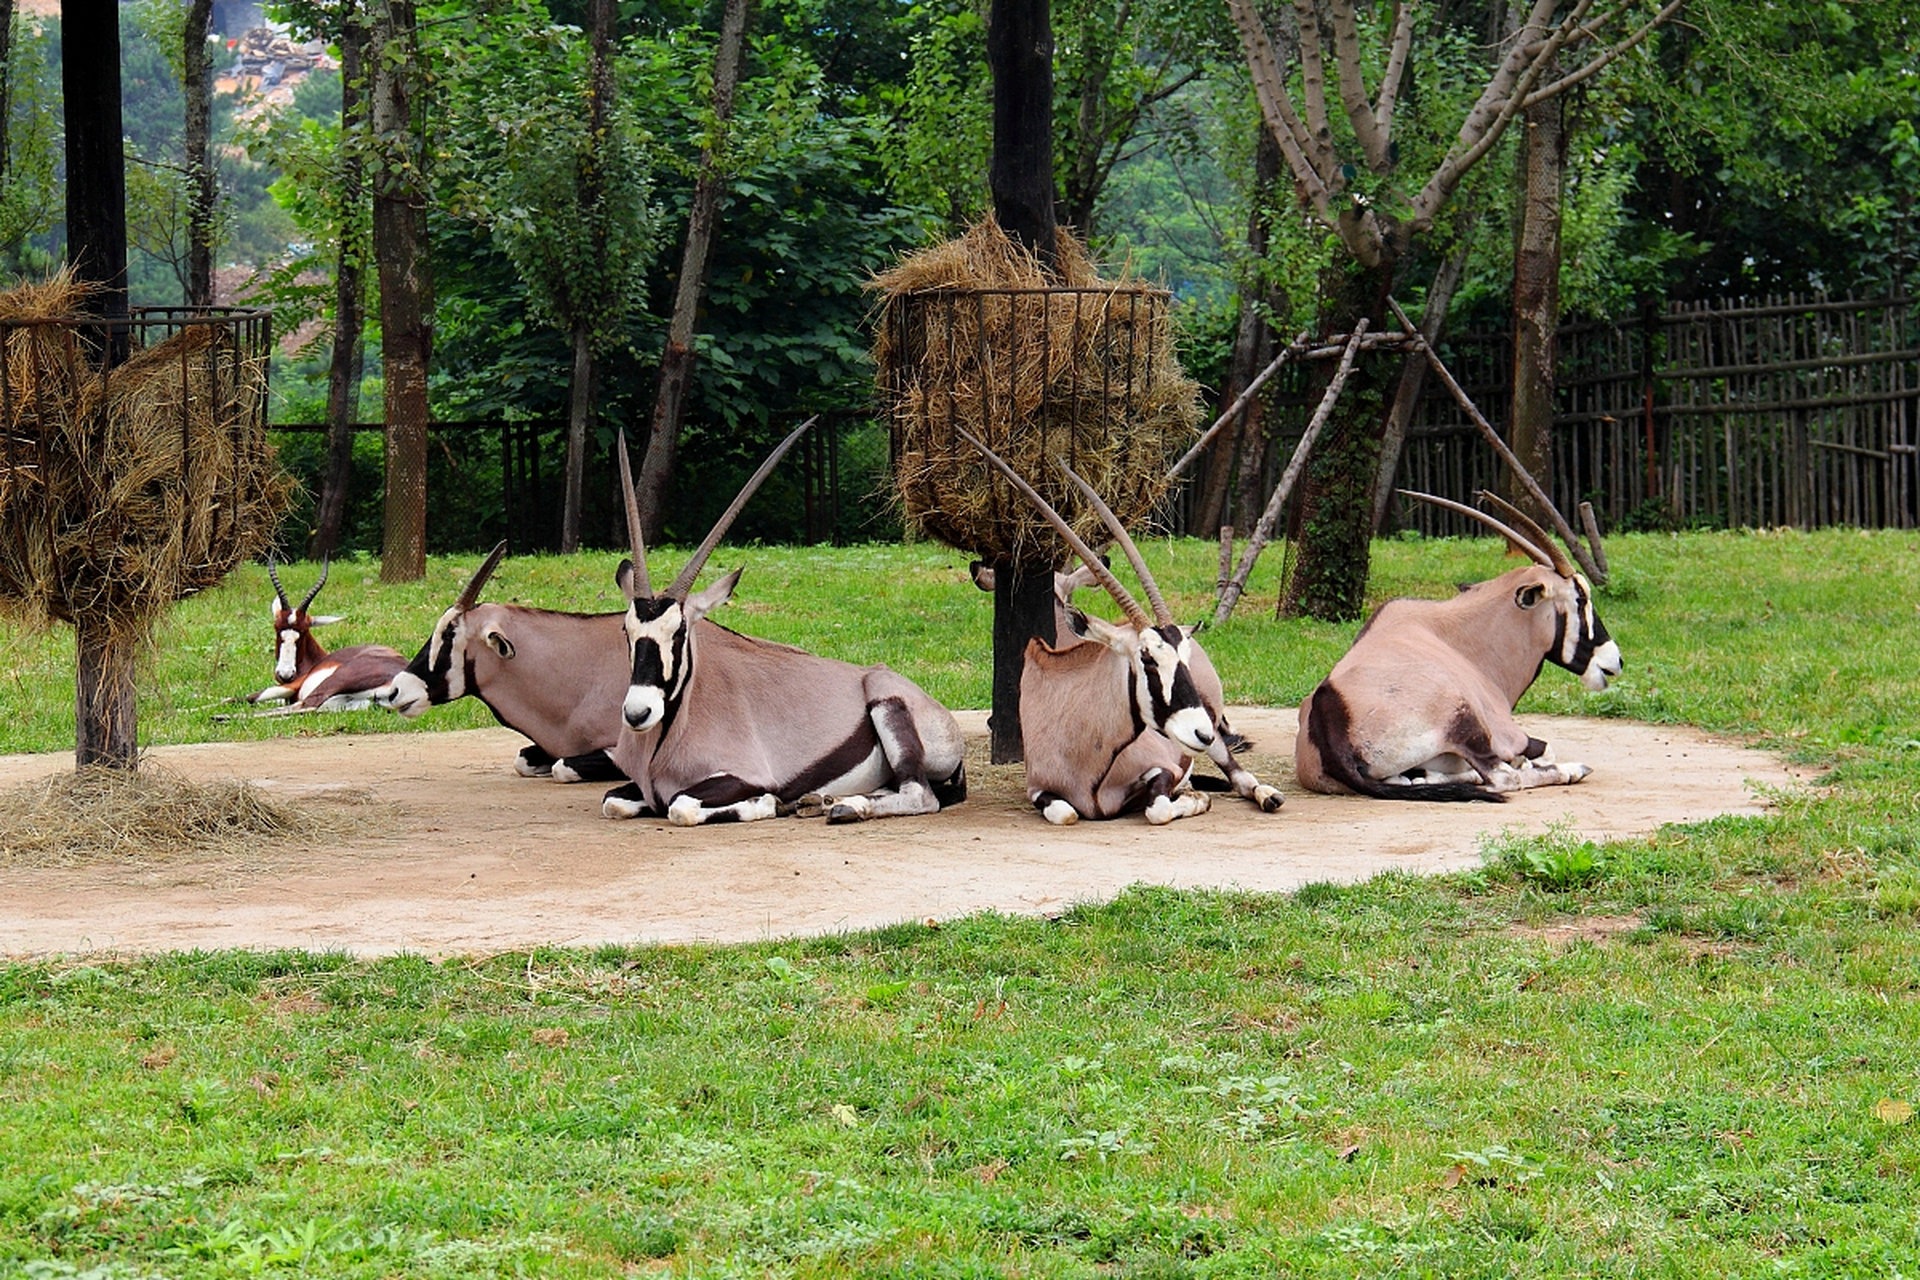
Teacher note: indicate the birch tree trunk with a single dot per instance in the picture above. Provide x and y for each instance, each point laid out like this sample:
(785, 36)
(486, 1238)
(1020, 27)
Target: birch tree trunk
(677, 360)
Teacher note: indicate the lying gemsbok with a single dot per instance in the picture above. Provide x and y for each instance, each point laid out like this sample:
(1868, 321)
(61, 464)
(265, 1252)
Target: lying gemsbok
(1421, 708)
(723, 727)
(556, 677)
(1106, 724)
(309, 678)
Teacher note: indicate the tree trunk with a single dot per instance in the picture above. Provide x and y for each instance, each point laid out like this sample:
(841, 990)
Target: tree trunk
(1413, 374)
(1252, 349)
(399, 248)
(1020, 56)
(580, 384)
(1536, 300)
(349, 295)
(6, 85)
(677, 360)
(579, 413)
(1329, 579)
(105, 727)
(201, 189)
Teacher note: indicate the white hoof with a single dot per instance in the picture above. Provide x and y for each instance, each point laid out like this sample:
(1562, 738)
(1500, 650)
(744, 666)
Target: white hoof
(1061, 814)
(525, 769)
(1268, 798)
(851, 809)
(613, 807)
(684, 812)
(561, 773)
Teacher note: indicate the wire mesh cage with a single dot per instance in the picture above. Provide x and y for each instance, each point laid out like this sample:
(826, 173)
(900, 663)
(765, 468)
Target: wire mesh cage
(134, 463)
(1086, 372)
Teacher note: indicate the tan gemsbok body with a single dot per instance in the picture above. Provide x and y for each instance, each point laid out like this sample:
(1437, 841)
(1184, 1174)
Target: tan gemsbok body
(1070, 628)
(309, 678)
(1108, 720)
(723, 727)
(1421, 707)
(556, 677)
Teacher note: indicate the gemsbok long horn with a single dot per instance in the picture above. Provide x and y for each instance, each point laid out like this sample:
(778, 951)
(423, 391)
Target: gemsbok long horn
(1528, 525)
(470, 595)
(1135, 614)
(641, 586)
(1517, 539)
(326, 562)
(1161, 614)
(698, 561)
(279, 592)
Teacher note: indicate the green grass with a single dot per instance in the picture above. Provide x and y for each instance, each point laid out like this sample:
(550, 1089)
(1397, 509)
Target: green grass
(1405, 1077)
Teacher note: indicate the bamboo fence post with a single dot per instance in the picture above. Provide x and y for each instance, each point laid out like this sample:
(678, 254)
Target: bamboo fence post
(1263, 531)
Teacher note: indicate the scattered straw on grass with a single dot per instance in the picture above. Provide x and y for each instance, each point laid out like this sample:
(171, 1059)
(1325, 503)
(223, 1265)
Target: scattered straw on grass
(1090, 377)
(152, 815)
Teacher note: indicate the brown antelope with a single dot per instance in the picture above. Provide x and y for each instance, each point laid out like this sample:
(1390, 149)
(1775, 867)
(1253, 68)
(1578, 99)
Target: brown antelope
(1421, 707)
(723, 727)
(309, 678)
(1107, 721)
(1070, 627)
(556, 677)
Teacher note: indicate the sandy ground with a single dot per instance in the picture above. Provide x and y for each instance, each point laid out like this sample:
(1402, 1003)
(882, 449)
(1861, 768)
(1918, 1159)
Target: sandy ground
(480, 860)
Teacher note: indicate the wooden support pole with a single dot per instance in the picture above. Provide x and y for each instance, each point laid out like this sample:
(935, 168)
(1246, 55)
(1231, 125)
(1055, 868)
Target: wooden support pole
(1263, 531)
(1292, 351)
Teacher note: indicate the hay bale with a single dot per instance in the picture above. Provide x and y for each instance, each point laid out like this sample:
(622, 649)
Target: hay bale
(1067, 364)
(125, 489)
(117, 815)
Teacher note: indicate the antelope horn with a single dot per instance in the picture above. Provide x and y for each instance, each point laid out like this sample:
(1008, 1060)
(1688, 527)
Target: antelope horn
(279, 592)
(1135, 614)
(470, 596)
(1161, 614)
(326, 562)
(1518, 540)
(641, 587)
(1559, 562)
(691, 569)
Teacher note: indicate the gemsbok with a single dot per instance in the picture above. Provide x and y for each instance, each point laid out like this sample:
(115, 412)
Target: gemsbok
(723, 727)
(555, 677)
(1421, 707)
(1107, 721)
(306, 676)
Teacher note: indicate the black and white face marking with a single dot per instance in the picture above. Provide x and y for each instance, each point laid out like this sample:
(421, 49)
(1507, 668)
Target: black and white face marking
(658, 636)
(1164, 693)
(1580, 640)
(437, 674)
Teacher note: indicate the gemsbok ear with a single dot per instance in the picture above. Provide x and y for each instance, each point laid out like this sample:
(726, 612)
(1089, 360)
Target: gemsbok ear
(497, 642)
(700, 603)
(624, 577)
(982, 574)
(326, 619)
(1119, 637)
(1530, 595)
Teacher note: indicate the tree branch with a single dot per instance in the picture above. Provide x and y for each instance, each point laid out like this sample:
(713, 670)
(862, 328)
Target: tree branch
(1353, 89)
(1600, 63)
(1270, 87)
(1313, 86)
(1396, 67)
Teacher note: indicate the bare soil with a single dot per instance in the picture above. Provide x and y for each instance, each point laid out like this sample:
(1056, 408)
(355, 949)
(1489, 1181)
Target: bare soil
(478, 859)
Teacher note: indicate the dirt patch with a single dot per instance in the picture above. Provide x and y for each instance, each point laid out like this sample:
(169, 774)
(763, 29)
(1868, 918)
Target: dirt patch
(478, 859)
(1572, 929)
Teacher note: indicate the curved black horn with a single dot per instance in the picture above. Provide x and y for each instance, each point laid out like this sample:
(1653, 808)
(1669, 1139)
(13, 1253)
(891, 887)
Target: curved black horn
(326, 561)
(470, 596)
(641, 586)
(1135, 614)
(698, 561)
(279, 592)
(1559, 563)
(1161, 614)
(1519, 540)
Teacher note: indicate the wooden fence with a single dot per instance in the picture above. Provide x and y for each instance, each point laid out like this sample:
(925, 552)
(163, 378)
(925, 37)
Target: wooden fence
(1801, 411)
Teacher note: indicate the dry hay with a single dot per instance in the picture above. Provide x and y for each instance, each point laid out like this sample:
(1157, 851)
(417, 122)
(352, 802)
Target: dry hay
(122, 493)
(120, 815)
(1090, 377)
